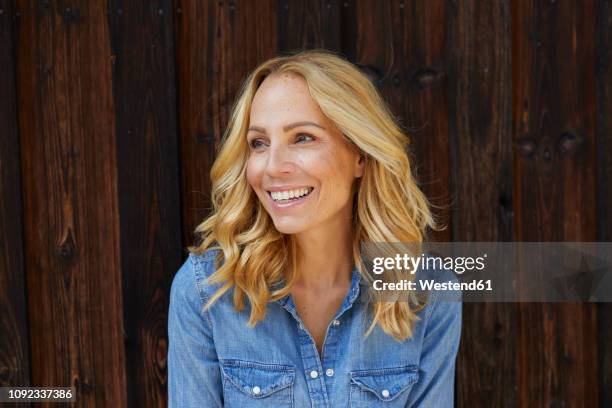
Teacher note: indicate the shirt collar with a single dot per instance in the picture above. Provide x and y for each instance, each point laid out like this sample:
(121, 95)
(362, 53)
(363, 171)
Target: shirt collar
(353, 293)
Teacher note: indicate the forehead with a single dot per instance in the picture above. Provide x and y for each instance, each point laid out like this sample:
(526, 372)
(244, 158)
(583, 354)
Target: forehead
(284, 96)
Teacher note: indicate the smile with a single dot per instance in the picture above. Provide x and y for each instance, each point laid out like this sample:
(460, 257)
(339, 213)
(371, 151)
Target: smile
(289, 197)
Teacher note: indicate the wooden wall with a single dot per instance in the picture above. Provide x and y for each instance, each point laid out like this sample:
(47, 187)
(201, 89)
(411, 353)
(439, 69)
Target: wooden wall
(111, 110)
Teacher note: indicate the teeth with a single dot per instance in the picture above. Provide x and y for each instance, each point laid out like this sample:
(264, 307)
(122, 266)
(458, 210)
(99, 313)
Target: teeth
(285, 195)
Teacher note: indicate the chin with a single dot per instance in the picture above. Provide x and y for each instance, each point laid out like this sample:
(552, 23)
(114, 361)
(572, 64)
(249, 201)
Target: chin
(289, 228)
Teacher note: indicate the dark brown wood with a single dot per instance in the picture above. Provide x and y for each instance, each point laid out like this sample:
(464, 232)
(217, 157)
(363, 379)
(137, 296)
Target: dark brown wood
(604, 184)
(111, 114)
(481, 144)
(14, 344)
(148, 174)
(394, 44)
(307, 24)
(71, 213)
(218, 44)
(555, 190)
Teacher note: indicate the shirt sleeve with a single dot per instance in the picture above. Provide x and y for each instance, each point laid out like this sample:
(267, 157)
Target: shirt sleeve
(194, 378)
(436, 384)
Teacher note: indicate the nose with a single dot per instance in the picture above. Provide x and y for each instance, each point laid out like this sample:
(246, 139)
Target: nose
(280, 161)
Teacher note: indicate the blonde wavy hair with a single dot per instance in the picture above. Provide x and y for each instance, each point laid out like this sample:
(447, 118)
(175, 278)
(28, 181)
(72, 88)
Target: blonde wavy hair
(388, 206)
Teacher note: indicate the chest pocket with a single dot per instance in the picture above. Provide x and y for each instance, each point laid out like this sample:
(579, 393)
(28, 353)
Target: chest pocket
(383, 387)
(248, 384)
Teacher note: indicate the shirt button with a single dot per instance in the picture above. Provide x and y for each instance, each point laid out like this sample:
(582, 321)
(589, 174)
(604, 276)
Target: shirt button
(256, 390)
(336, 322)
(385, 393)
(314, 374)
(329, 372)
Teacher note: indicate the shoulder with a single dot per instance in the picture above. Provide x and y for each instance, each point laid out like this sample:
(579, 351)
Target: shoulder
(189, 282)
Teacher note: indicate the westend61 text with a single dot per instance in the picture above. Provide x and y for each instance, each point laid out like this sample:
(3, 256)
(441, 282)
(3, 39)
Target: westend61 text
(405, 284)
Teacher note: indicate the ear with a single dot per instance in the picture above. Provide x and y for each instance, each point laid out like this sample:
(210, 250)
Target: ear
(360, 165)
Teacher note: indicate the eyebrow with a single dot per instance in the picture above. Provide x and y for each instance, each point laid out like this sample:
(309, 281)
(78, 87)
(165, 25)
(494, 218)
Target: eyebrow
(288, 127)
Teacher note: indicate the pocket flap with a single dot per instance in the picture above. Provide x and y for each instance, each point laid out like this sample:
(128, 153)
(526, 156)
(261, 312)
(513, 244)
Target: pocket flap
(386, 383)
(258, 380)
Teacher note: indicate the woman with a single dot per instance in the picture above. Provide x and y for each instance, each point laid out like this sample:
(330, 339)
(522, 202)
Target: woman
(272, 308)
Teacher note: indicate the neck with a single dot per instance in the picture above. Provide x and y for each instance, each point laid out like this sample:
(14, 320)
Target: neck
(325, 256)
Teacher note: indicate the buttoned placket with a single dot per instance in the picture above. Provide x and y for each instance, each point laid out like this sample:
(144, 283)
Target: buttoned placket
(319, 371)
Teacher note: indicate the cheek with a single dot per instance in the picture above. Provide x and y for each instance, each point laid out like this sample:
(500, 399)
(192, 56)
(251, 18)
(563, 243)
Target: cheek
(333, 174)
(335, 170)
(253, 174)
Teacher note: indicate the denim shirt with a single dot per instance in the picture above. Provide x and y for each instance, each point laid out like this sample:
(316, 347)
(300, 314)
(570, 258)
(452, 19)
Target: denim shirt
(216, 360)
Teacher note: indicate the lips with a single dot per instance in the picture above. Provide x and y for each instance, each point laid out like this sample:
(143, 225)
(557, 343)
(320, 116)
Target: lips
(281, 196)
(283, 203)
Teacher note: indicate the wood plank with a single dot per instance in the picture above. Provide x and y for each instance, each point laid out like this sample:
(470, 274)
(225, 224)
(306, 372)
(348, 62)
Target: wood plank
(14, 345)
(481, 143)
(149, 194)
(604, 184)
(218, 44)
(394, 44)
(555, 196)
(308, 24)
(71, 213)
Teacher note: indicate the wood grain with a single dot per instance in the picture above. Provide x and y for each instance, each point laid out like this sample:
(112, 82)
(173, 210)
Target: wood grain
(307, 24)
(604, 184)
(394, 44)
(218, 44)
(66, 122)
(111, 114)
(144, 84)
(481, 144)
(14, 343)
(555, 186)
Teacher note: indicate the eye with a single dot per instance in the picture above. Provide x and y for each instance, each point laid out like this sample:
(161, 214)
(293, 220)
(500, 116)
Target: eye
(304, 137)
(255, 143)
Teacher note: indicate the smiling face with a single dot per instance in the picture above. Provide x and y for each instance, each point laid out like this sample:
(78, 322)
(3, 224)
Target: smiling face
(300, 165)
